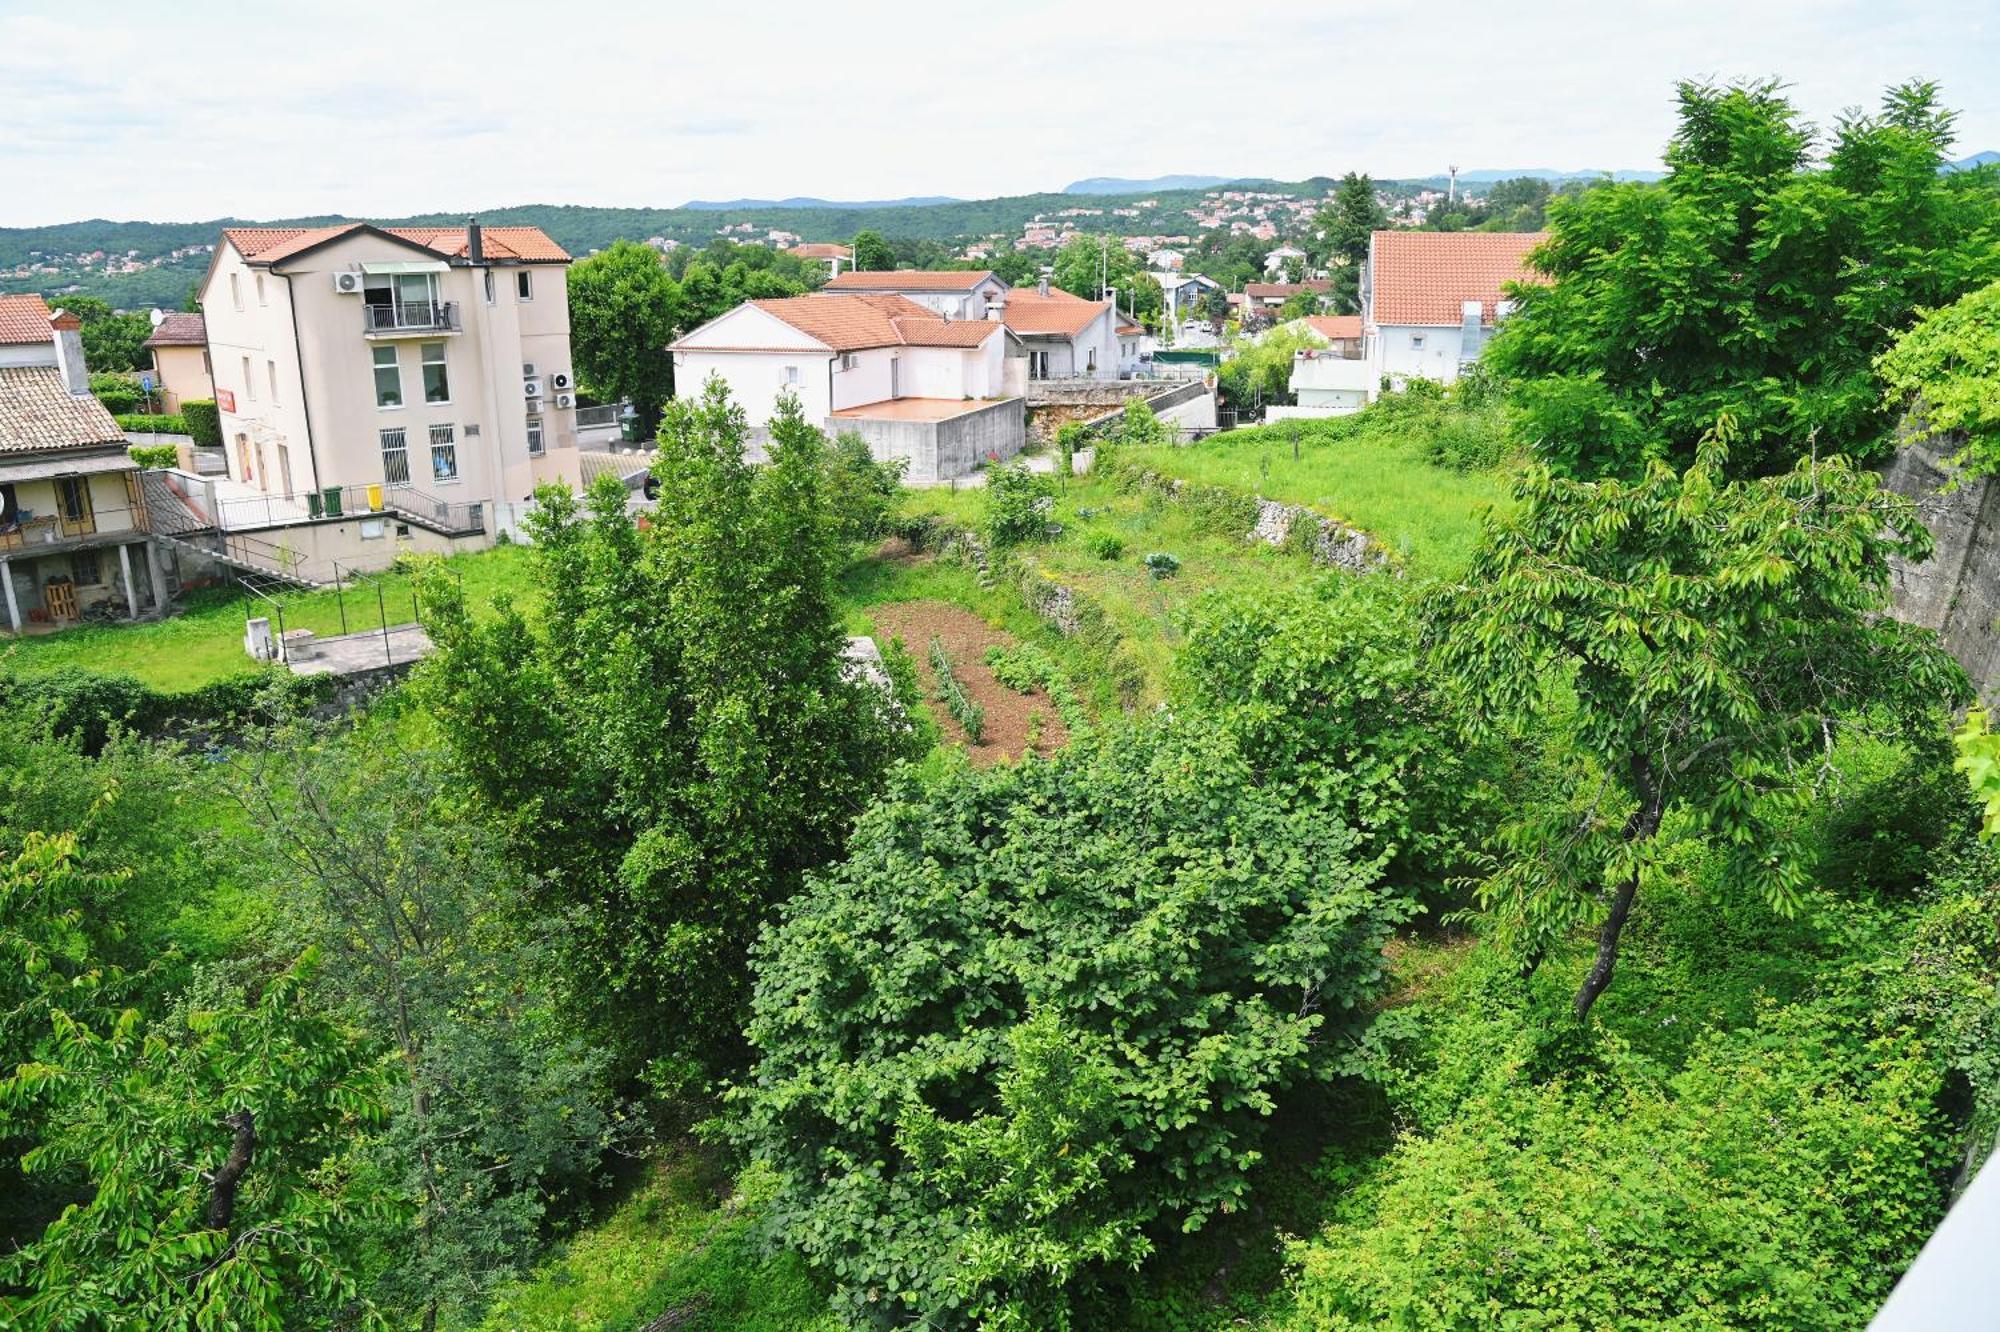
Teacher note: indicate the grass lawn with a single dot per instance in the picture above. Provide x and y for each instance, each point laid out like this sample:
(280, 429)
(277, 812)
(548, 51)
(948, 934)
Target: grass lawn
(1370, 475)
(203, 641)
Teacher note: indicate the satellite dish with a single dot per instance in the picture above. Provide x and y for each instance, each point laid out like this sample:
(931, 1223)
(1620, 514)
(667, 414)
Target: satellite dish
(9, 509)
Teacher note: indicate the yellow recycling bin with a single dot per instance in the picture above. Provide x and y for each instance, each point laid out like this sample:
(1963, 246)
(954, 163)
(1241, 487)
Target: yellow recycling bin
(375, 499)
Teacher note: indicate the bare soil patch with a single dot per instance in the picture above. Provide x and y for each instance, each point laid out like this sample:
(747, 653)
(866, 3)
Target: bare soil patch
(966, 637)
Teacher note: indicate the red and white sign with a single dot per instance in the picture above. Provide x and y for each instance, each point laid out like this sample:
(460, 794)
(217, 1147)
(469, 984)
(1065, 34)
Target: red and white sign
(225, 399)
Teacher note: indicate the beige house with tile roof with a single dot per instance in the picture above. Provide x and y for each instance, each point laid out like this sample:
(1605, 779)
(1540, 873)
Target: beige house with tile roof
(1065, 336)
(73, 524)
(1430, 300)
(383, 385)
(181, 372)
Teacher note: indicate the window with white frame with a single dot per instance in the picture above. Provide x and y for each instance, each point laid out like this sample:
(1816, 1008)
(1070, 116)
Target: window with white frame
(444, 453)
(236, 290)
(260, 290)
(271, 377)
(489, 286)
(1416, 342)
(388, 378)
(792, 376)
(249, 384)
(395, 457)
(437, 385)
(535, 446)
(524, 285)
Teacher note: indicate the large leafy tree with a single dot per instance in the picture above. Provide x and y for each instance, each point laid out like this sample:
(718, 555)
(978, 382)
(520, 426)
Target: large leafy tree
(1746, 282)
(671, 734)
(1703, 641)
(871, 253)
(1343, 229)
(623, 311)
(1086, 265)
(1947, 369)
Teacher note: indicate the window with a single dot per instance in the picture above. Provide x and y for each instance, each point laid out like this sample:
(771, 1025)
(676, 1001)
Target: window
(444, 454)
(388, 378)
(243, 455)
(395, 457)
(489, 286)
(249, 384)
(73, 494)
(271, 377)
(1416, 342)
(524, 285)
(437, 387)
(260, 290)
(535, 448)
(792, 375)
(236, 290)
(83, 569)
(1090, 360)
(373, 529)
(1038, 365)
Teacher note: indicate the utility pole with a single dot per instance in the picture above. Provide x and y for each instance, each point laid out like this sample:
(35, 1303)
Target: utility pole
(1451, 185)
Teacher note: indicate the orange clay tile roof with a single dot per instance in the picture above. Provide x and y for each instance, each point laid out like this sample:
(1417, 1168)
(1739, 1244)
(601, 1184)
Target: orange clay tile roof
(24, 319)
(873, 319)
(179, 330)
(1421, 277)
(1281, 290)
(1335, 326)
(269, 245)
(1058, 314)
(817, 250)
(911, 279)
(38, 413)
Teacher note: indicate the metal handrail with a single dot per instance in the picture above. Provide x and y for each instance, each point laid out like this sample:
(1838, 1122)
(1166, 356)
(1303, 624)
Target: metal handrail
(410, 316)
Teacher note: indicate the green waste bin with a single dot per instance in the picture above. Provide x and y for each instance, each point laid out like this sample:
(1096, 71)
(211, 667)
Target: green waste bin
(312, 504)
(628, 428)
(332, 501)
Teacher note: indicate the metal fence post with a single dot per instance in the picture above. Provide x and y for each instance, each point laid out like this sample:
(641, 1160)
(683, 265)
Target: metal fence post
(340, 595)
(283, 654)
(388, 653)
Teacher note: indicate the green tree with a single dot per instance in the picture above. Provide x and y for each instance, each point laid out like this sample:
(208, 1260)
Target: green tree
(1087, 265)
(623, 311)
(111, 341)
(1703, 641)
(871, 253)
(1042, 1011)
(1945, 372)
(495, 1110)
(1519, 203)
(673, 736)
(1344, 228)
(210, 1143)
(1745, 283)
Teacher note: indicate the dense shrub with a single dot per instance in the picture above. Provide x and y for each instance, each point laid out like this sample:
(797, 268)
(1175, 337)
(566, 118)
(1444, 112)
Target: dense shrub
(154, 455)
(1018, 504)
(1162, 565)
(1041, 1013)
(860, 490)
(87, 706)
(153, 423)
(204, 422)
(1105, 545)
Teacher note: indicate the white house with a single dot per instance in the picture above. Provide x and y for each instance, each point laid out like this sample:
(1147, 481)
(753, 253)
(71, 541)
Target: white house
(958, 293)
(1184, 293)
(837, 258)
(1430, 300)
(943, 393)
(1276, 260)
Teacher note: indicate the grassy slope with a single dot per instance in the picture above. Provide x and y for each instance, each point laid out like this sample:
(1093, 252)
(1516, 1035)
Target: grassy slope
(204, 641)
(1371, 474)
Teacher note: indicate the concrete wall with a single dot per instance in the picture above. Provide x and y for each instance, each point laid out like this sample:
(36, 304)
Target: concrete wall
(1957, 591)
(941, 450)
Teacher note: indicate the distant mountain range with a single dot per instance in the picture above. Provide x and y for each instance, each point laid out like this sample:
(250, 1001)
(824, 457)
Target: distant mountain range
(914, 201)
(1121, 185)
(1487, 176)
(1987, 158)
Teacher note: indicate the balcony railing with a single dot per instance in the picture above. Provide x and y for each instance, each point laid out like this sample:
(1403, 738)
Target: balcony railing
(411, 317)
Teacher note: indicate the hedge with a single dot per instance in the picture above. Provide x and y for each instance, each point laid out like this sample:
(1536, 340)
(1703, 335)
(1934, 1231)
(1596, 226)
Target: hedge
(154, 455)
(157, 423)
(88, 705)
(120, 399)
(204, 422)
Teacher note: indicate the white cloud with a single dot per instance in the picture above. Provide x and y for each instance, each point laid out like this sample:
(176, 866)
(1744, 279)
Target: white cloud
(217, 109)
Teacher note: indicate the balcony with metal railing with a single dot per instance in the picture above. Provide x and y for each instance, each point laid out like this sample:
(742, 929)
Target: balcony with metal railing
(392, 319)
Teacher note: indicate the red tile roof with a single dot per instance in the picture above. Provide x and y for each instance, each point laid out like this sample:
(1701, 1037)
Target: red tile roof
(24, 319)
(911, 279)
(817, 250)
(1335, 327)
(1421, 277)
(268, 245)
(1059, 313)
(179, 330)
(871, 319)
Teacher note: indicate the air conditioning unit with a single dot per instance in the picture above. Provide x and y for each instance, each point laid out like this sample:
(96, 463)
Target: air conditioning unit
(560, 381)
(565, 400)
(531, 388)
(347, 284)
(527, 369)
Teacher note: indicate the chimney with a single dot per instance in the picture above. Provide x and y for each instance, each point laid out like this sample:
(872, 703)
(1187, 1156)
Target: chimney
(475, 243)
(1042, 285)
(69, 352)
(995, 311)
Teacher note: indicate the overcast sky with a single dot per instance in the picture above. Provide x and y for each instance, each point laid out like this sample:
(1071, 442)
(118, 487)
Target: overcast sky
(197, 110)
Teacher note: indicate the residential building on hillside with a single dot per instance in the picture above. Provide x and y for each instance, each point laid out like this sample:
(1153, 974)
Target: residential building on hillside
(1430, 300)
(1273, 295)
(181, 372)
(1332, 379)
(73, 530)
(1184, 294)
(1277, 260)
(953, 293)
(421, 373)
(835, 257)
(942, 393)
(1065, 336)
(1133, 347)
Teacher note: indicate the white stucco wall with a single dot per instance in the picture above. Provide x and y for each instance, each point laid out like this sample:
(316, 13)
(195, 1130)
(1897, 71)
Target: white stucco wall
(1396, 351)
